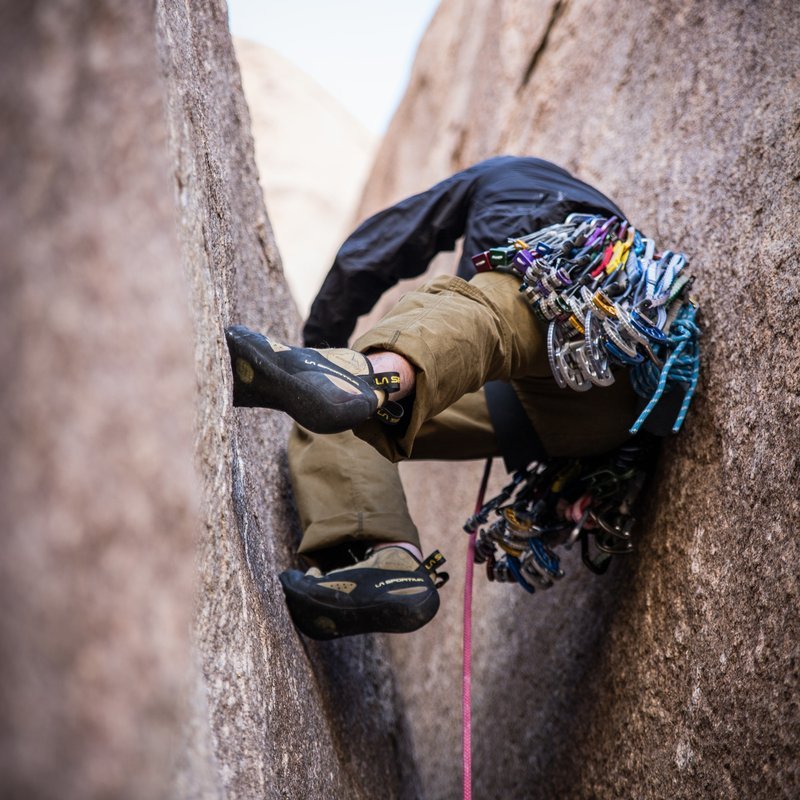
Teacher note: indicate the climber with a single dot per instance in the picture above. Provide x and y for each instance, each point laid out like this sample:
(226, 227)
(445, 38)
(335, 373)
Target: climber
(413, 387)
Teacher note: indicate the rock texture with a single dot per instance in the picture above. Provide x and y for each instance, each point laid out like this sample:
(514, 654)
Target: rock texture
(145, 650)
(285, 717)
(676, 674)
(96, 483)
(312, 157)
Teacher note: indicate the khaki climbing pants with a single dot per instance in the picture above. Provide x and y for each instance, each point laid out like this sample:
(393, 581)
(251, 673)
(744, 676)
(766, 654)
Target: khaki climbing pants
(458, 336)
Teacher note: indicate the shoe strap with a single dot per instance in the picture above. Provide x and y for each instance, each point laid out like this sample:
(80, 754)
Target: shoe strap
(388, 382)
(430, 566)
(390, 413)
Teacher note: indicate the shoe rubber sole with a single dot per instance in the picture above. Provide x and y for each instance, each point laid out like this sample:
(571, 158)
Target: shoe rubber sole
(260, 381)
(322, 620)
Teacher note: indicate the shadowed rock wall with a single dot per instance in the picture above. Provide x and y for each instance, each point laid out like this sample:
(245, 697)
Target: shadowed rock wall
(677, 673)
(96, 482)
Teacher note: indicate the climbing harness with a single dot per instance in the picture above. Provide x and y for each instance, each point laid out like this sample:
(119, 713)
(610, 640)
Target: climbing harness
(610, 301)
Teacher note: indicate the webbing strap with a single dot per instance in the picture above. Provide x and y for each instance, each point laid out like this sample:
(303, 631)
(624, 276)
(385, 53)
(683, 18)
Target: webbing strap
(430, 566)
(390, 412)
(388, 382)
(516, 437)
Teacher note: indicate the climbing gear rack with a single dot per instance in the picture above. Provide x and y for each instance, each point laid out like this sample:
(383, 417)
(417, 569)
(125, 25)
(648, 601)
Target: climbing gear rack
(610, 302)
(558, 503)
(608, 299)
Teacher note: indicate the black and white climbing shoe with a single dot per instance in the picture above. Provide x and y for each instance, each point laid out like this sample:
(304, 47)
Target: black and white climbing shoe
(390, 591)
(326, 391)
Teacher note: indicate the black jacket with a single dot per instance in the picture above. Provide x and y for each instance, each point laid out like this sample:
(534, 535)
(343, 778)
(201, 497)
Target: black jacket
(487, 203)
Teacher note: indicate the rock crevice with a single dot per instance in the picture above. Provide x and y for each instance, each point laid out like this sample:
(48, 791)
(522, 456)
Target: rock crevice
(127, 472)
(555, 13)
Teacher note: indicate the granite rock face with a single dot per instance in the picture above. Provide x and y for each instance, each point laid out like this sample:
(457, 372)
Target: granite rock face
(96, 484)
(285, 717)
(145, 647)
(677, 673)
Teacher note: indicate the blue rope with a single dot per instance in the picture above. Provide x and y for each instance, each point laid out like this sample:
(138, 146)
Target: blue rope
(682, 366)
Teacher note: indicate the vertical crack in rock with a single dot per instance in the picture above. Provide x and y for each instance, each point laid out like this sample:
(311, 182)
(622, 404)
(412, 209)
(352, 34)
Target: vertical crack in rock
(239, 501)
(555, 14)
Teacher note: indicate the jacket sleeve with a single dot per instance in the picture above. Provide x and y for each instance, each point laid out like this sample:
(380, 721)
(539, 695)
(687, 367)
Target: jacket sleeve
(396, 243)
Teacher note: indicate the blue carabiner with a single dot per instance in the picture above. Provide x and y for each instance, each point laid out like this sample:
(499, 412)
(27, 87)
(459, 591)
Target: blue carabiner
(513, 565)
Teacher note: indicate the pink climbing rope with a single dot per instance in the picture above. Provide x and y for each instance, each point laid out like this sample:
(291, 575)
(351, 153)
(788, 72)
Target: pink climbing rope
(466, 674)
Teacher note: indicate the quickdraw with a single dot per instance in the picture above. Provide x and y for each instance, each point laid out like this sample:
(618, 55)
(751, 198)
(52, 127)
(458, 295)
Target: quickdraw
(609, 300)
(557, 503)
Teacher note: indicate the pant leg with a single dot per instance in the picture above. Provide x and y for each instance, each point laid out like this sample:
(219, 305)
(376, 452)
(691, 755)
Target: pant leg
(345, 491)
(348, 492)
(460, 335)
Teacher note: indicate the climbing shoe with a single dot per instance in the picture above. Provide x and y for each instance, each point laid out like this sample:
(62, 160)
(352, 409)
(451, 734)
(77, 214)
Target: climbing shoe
(326, 391)
(389, 591)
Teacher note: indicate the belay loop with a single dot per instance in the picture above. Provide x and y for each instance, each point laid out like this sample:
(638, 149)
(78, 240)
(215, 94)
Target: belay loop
(610, 300)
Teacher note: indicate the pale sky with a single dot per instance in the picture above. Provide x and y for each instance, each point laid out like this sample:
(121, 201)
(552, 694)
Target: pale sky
(360, 51)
